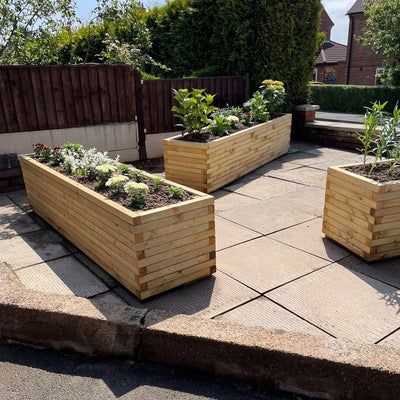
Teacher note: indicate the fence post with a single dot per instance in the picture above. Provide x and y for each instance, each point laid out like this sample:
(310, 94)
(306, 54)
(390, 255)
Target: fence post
(139, 114)
(246, 78)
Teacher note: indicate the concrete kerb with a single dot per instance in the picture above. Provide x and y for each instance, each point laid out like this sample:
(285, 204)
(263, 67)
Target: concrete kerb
(317, 366)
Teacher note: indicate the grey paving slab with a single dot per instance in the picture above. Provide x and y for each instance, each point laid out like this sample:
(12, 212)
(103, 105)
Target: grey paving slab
(387, 271)
(63, 276)
(344, 303)
(14, 221)
(269, 216)
(206, 298)
(261, 187)
(274, 166)
(32, 248)
(301, 145)
(229, 234)
(97, 270)
(264, 264)
(303, 175)
(263, 312)
(308, 199)
(225, 200)
(110, 297)
(309, 237)
(392, 340)
(20, 198)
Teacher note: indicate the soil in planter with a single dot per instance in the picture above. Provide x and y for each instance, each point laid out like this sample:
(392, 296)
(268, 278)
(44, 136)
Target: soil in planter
(379, 174)
(154, 198)
(208, 137)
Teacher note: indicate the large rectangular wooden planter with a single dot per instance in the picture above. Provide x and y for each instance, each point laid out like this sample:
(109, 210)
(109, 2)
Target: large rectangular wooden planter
(148, 252)
(209, 166)
(362, 215)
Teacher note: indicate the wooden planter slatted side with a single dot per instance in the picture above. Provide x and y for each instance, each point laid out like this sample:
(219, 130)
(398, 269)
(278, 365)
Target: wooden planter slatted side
(147, 251)
(209, 166)
(362, 215)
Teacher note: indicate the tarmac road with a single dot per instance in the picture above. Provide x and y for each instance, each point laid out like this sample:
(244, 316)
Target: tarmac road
(32, 374)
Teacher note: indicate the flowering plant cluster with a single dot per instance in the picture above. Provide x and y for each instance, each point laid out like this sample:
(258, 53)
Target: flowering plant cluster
(197, 113)
(121, 181)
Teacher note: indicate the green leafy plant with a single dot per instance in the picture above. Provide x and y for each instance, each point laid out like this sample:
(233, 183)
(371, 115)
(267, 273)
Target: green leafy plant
(137, 193)
(125, 169)
(274, 94)
(257, 107)
(380, 136)
(193, 109)
(137, 175)
(157, 182)
(218, 126)
(177, 192)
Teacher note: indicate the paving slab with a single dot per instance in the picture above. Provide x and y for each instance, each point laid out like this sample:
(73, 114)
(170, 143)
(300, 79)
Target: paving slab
(275, 166)
(110, 297)
(269, 216)
(264, 264)
(307, 199)
(387, 271)
(32, 248)
(14, 221)
(110, 281)
(392, 340)
(229, 234)
(309, 237)
(344, 303)
(62, 276)
(206, 298)
(20, 198)
(301, 145)
(261, 187)
(225, 200)
(304, 175)
(263, 312)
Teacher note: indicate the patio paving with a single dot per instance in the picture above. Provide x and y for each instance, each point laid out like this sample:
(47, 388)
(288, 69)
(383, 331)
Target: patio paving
(275, 268)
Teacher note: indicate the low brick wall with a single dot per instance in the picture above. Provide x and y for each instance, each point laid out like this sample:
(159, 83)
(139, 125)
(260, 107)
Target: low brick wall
(10, 173)
(324, 136)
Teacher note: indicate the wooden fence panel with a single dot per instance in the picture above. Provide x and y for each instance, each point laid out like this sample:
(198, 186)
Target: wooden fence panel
(158, 98)
(55, 97)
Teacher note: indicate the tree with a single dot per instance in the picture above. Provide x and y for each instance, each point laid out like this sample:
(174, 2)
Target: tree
(28, 29)
(383, 34)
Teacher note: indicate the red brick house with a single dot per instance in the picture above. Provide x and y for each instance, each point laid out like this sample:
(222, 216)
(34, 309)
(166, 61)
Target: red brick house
(363, 64)
(331, 57)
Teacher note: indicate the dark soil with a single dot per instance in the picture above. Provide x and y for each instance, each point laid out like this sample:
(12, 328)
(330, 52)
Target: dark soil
(379, 174)
(154, 198)
(207, 137)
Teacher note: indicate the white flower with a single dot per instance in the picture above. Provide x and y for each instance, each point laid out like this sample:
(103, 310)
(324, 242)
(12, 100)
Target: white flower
(106, 168)
(116, 180)
(232, 119)
(135, 186)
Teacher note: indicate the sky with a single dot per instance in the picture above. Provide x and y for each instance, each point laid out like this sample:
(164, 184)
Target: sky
(336, 9)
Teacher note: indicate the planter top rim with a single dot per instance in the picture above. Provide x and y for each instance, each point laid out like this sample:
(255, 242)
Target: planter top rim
(341, 168)
(131, 213)
(242, 132)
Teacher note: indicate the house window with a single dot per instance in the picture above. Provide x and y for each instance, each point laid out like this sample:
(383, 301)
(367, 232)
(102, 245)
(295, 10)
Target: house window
(316, 75)
(378, 74)
(330, 79)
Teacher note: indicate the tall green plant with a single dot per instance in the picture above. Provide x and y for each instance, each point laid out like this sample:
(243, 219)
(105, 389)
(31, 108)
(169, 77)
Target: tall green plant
(193, 109)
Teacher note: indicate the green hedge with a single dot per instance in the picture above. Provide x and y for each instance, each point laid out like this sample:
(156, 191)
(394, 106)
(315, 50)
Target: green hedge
(266, 38)
(353, 99)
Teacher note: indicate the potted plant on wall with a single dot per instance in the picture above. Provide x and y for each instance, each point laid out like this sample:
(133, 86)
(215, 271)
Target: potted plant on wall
(362, 202)
(218, 146)
(150, 234)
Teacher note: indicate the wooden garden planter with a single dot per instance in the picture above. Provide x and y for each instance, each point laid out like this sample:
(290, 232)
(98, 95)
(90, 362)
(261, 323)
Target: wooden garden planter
(148, 252)
(209, 166)
(362, 215)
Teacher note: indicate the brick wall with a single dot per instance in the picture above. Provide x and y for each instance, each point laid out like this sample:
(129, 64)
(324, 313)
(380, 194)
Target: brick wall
(338, 70)
(362, 60)
(10, 173)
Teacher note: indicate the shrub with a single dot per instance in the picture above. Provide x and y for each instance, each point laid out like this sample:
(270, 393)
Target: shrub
(351, 98)
(229, 37)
